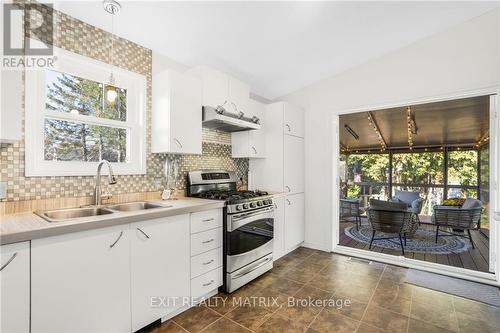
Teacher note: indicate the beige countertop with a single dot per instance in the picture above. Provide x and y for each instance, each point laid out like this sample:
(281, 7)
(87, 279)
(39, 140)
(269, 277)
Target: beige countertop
(27, 226)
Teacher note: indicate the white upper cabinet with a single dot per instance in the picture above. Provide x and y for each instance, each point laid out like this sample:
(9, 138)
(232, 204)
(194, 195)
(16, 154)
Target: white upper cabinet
(11, 89)
(177, 113)
(293, 120)
(215, 86)
(239, 95)
(294, 170)
(80, 282)
(160, 261)
(220, 89)
(250, 144)
(15, 288)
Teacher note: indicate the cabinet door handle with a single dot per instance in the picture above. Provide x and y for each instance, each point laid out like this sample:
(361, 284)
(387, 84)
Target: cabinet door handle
(275, 206)
(208, 262)
(288, 188)
(288, 202)
(178, 143)
(116, 241)
(208, 283)
(208, 241)
(254, 150)
(8, 261)
(145, 234)
(208, 220)
(288, 127)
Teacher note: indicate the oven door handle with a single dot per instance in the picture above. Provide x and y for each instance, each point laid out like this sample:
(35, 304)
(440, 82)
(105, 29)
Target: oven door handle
(238, 223)
(253, 267)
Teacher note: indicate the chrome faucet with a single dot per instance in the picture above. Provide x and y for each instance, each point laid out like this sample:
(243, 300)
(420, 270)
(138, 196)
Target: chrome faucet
(111, 180)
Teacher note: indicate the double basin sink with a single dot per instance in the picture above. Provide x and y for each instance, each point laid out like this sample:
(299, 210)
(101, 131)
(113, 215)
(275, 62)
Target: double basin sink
(74, 213)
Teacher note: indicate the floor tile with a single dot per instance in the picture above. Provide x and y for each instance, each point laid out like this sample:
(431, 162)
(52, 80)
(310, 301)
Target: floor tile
(279, 284)
(331, 322)
(395, 273)
(418, 326)
(196, 318)
(224, 325)
(353, 309)
(282, 324)
(168, 327)
(468, 323)
(250, 316)
(477, 311)
(302, 273)
(391, 301)
(424, 296)
(435, 313)
(365, 328)
(395, 289)
(385, 319)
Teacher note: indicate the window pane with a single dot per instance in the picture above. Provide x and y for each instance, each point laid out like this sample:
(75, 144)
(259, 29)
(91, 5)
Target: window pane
(418, 168)
(72, 141)
(462, 193)
(368, 168)
(462, 167)
(72, 94)
(116, 110)
(431, 196)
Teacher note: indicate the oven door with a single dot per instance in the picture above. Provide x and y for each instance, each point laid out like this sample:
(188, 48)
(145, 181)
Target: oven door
(249, 237)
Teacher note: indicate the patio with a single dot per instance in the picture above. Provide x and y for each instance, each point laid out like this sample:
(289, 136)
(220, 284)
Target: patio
(437, 152)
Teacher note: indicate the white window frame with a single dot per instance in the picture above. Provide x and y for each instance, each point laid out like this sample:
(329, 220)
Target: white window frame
(35, 114)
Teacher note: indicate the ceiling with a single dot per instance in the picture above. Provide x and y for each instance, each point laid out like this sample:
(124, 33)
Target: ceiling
(449, 123)
(277, 47)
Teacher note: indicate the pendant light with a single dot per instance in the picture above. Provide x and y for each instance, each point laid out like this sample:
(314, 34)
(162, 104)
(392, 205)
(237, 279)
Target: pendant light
(112, 7)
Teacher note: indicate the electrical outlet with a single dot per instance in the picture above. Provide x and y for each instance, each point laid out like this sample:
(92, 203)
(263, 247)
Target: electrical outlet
(3, 190)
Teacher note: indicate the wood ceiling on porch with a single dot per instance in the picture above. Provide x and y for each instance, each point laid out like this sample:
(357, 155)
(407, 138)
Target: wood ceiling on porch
(461, 122)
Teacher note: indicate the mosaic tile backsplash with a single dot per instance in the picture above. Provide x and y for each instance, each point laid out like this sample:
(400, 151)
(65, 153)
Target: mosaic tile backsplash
(82, 38)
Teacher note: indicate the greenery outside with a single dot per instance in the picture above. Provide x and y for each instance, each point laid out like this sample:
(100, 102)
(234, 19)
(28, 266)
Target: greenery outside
(67, 140)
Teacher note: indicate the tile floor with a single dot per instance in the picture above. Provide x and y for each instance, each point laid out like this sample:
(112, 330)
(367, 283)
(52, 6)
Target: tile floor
(350, 296)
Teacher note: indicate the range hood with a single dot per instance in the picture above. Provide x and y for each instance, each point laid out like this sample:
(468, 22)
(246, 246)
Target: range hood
(223, 120)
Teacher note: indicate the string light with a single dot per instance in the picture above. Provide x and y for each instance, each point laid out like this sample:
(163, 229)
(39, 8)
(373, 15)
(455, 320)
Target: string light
(409, 125)
(373, 124)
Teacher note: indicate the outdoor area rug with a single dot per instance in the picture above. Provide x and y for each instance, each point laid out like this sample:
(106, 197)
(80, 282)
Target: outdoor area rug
(458, 287)
(422, 242)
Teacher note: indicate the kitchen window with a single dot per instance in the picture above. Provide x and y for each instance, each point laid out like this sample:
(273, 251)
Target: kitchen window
(72, 123)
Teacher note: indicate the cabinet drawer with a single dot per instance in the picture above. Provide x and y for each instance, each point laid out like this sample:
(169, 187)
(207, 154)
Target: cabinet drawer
(206, 282)
(205, 262)
(206, 220)
(206, 241)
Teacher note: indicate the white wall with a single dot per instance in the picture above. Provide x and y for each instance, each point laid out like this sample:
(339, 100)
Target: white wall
(463, 58)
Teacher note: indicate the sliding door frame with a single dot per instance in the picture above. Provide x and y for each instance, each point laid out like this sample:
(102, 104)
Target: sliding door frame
(490, 278)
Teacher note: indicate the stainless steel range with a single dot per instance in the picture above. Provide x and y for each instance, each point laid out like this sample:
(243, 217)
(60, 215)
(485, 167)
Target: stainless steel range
(248, 225)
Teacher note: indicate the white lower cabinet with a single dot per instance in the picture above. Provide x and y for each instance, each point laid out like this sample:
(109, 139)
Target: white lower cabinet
(279, 228)
(80, 282)
(160, 260)
(15, 288)
(294, 217)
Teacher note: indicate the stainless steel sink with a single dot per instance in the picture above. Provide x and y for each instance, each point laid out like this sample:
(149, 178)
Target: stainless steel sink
(69, 214)
(133, 206)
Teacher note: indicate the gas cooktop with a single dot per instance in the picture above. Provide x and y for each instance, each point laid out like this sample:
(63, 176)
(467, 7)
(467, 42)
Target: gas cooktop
(231, 197)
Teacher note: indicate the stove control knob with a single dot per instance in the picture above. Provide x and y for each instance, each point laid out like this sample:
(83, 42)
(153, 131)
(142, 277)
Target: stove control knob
(238, 207)
(267, 202)
(259, 203)
(253, 205)
(245, 206)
